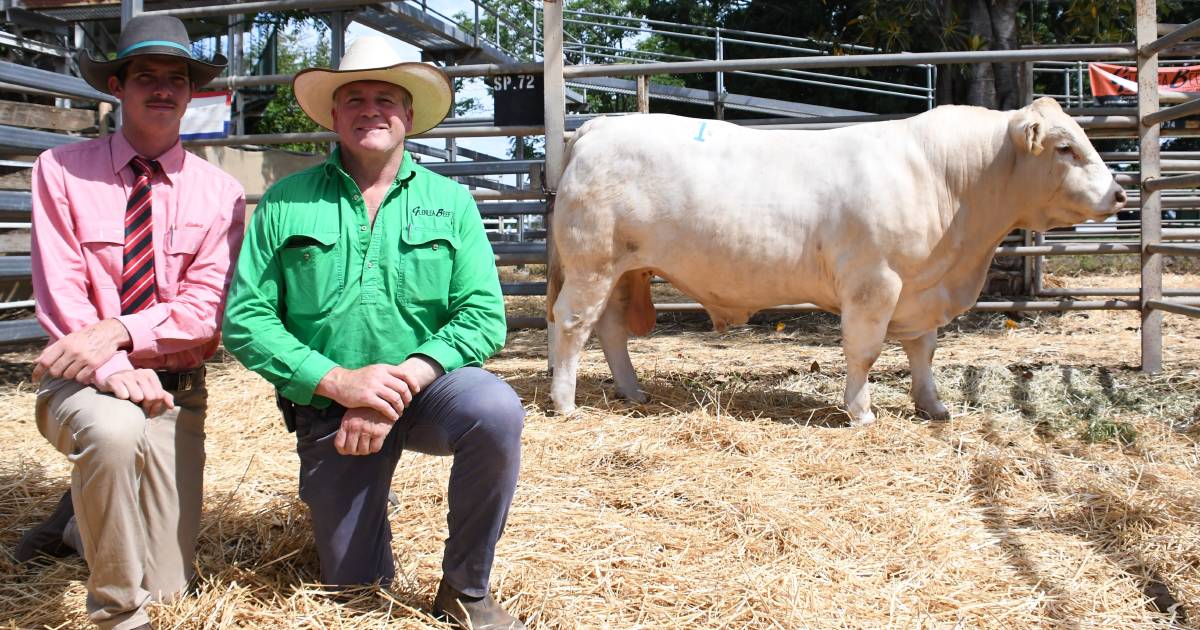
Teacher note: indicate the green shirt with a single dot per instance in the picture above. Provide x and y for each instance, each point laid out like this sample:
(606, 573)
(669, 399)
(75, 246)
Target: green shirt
(317, 286)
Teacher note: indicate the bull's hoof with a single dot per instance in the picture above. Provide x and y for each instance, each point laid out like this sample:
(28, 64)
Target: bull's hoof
(561, 410)
(936, 412)
(638, 397)
(864, 419)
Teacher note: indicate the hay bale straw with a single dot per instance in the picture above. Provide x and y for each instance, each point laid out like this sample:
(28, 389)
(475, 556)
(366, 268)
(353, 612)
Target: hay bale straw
(1063, 493)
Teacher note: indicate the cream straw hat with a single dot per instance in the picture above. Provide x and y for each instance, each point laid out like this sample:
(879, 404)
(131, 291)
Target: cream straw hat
(373, 59)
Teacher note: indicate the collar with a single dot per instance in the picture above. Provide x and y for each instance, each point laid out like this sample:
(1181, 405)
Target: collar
(122, 152)
(333, 166)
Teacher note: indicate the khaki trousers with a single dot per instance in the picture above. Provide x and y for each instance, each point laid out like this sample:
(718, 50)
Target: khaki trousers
(137, 486)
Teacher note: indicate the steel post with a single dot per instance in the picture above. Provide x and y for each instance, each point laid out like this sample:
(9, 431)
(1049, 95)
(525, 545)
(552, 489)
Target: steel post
(337, 45)
(1101, 53)
(234, 54)
(1177, 36)
(555, 100)
(1079, 82)
(246, 8)
(1067, 85)
(130, 9)
(1039, 264)
(1148, 145)
(719, 93)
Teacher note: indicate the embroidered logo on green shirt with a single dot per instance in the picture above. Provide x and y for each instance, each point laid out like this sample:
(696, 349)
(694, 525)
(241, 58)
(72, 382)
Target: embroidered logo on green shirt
(430, 212)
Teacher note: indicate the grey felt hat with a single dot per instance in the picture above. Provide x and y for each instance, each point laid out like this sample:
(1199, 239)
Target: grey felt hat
(160, 35)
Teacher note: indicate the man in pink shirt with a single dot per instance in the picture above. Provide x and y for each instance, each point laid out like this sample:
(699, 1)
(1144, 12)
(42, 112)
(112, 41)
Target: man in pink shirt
(133, 240)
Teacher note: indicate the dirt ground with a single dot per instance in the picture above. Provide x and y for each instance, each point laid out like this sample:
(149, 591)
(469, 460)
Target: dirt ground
(1064, 492)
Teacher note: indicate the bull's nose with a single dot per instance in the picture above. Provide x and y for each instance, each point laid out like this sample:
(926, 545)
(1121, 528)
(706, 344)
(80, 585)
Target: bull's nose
(1120, 197)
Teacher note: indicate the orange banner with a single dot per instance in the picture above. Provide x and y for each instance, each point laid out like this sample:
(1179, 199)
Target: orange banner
(1117, 85)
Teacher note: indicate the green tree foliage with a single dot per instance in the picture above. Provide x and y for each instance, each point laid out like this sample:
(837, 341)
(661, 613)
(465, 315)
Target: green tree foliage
(819, 26)
(906, 25)
(517, 28)
(514, 22)
(301, 45)
(937, 25)
(464, 105)
(1093, 21)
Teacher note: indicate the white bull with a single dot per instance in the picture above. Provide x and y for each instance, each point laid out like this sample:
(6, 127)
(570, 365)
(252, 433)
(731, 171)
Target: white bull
(891, 224)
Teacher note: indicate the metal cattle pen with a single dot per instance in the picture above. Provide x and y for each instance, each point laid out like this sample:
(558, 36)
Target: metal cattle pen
(1150, 119)
(1142, 122)
(1147, 120)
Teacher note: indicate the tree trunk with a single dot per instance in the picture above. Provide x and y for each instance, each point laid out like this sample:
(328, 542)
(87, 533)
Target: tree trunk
(994, 22)
(1004, 37)
(981, 80)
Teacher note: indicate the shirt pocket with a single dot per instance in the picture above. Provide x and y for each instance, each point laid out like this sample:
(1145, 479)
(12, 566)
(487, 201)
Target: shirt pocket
(103, 248)
(427, 266)
(181, 247)
(312, 273)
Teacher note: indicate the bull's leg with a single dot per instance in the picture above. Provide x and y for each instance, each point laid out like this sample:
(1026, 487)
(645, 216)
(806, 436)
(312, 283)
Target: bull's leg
(579, 305)
(613, 330)
(864, 326)
(924, 390)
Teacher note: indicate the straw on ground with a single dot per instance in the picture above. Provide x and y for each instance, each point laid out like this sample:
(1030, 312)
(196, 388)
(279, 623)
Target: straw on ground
(1064, 493)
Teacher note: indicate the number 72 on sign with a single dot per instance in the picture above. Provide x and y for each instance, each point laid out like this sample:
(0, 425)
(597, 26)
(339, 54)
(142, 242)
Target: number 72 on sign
(514, 82)
(518, 99)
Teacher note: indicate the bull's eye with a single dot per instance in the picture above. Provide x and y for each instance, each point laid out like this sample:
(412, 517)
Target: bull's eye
(1066, 150)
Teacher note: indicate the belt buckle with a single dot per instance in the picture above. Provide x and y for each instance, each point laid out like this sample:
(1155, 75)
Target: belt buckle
(185, 381)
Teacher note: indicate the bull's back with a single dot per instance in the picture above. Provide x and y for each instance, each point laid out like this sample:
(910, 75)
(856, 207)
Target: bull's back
(733, 216)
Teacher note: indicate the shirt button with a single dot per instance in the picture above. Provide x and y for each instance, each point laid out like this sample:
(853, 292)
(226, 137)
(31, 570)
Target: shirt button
(362, 228)
(357, 197)
(370, 264)
(435, 247)
(307, 256)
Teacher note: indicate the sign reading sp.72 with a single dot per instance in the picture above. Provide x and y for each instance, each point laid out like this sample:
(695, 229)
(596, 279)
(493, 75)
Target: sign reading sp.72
(518, 99)
(507, 82)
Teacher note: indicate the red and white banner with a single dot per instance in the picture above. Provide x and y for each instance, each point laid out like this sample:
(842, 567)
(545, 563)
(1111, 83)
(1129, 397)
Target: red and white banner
(207, 116)
(1117, 85)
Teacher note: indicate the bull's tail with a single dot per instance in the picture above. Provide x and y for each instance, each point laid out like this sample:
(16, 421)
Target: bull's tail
(554, 275)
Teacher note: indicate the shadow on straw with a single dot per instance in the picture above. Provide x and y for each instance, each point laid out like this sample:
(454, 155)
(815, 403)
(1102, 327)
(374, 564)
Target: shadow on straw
(682, 393)
(15, 372)
(28, 495)
(1107, 522)
(988, 486)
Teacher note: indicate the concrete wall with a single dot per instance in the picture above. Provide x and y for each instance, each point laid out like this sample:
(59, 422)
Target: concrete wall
(256, 170)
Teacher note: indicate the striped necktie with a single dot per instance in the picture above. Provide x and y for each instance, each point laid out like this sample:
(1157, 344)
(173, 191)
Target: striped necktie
(137, 278)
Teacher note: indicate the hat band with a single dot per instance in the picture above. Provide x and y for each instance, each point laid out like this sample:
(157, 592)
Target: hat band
(155, 42)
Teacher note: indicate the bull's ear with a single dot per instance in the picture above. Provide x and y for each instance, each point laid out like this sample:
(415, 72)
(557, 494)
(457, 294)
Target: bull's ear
(1028, 130)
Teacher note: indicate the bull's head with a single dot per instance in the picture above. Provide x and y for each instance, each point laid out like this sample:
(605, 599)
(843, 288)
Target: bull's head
(1061, 168)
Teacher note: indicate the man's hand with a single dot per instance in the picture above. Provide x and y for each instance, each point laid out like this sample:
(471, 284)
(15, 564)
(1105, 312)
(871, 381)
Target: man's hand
(362, 432)
(386, 389)
(79, 354)
(420, 370)
(141, 387)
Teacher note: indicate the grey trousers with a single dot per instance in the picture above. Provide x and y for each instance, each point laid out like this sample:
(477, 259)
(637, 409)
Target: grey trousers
(469, 414)
(136, 485)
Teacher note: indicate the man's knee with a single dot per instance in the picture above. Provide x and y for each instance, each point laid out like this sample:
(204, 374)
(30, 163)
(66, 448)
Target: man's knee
(495, 410)
(108, 429)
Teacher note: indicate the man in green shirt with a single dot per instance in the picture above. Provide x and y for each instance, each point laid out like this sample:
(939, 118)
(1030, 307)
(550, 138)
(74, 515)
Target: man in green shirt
(367, 294)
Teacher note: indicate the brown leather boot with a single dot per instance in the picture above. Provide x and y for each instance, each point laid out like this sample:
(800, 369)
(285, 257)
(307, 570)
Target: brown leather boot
(472, 613)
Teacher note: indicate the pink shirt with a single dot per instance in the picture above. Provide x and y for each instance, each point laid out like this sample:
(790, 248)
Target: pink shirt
(79, 195)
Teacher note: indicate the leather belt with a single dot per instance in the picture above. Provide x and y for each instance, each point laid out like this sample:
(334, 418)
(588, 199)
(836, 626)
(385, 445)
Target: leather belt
(181, 381)
(290, 409)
